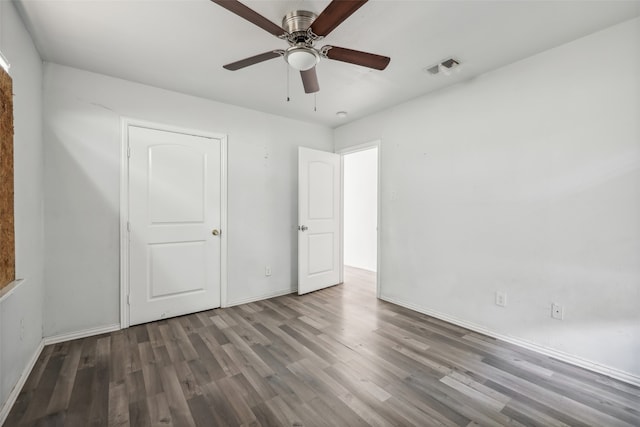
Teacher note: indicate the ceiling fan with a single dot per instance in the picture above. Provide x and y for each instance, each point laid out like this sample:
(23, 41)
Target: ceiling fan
(302, 29)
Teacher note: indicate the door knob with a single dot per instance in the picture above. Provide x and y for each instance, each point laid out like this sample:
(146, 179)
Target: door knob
(215, 232)
(303, 228)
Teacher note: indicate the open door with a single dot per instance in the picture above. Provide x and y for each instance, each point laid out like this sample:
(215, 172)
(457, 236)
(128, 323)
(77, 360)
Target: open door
(318, 220)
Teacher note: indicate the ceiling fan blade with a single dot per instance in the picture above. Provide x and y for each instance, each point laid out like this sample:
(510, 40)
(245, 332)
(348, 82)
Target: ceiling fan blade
(251, 15)
(357, 57)
(253, 60)
(310, 80)
(334, 14)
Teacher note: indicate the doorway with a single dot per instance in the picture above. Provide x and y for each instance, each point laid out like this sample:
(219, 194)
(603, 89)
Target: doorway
(360, 171)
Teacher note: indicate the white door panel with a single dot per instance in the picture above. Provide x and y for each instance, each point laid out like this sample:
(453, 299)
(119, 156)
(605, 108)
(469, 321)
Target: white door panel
(319, 220)
(174, 205)
(177, 180)
(176, 268)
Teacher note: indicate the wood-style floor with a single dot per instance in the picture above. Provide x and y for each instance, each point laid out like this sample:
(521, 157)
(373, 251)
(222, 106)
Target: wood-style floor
(336, 357)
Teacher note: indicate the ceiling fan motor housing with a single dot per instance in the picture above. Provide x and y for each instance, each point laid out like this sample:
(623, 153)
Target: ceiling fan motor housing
(296, 23)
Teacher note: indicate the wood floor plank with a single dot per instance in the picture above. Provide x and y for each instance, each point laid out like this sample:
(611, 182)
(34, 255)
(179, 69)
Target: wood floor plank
(202, 413)
(222, 359)
(118, 405)
(139, 413)
(318, 380)
(433, 410)
(19, 408)
(278, 347)
(301, 352)
(170, 344)
(56, 419)
(335, 412)
(151, 379)
(117, 368)
(142, 333)
(182, 339)
(581, 394)
(335, 357)
(187, 379)
(36, 373)
(247, 354)
(159, 411)
(236, 399)
(551, 407)
(363, 400)
(64, 384)
(309, 342)
(135, 387)
(219, 404)
(178, 406)
(42, 393)
(530, 416)
(132, 362)
(266, 417)
(284, 412)
(81, 398)
(250, 394)
(161, 354)
(153, 332)
(99, 407)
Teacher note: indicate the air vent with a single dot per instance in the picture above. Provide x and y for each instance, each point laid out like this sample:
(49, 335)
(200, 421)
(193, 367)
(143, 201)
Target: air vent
(445, 67)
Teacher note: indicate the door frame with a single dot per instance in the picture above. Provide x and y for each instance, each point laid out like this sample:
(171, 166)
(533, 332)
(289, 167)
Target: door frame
(125, 123)
(350, 150)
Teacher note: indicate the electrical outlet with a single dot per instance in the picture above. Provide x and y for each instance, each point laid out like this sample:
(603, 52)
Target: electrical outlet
(267, 270)
(501, 299)
(557, 311)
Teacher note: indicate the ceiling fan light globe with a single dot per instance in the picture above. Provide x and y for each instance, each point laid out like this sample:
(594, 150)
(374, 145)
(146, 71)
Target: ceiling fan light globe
(301, 58)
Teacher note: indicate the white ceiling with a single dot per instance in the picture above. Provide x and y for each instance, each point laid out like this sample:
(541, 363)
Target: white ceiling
(181, 45)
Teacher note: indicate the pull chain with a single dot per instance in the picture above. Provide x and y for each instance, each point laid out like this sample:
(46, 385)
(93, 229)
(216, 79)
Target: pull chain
(315, 101)
(288, 98)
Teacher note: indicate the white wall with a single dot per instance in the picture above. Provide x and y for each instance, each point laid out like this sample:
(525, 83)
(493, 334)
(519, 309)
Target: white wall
(361, 209)
(524, 180)
(82, 114)
(25, 302)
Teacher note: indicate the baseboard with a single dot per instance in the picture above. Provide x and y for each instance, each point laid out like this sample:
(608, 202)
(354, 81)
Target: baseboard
(55, 339)
(273, 294)
(13, 396)
(565, 357)
(360, 268)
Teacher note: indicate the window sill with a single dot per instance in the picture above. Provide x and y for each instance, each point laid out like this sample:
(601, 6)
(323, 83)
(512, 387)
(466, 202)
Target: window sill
(9, 289)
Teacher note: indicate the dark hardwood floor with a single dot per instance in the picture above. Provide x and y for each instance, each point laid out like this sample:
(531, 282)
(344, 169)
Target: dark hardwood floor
(336, 357)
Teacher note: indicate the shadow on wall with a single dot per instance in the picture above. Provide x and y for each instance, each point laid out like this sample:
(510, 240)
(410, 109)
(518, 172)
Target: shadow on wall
(82, 226)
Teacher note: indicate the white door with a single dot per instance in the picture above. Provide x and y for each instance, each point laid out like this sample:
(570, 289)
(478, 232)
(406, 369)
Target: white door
(319, 220)
(174, 217)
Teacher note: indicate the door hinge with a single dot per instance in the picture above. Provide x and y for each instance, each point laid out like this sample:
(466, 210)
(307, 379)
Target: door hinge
(128, 227)
(128, 299)
(128, 151)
